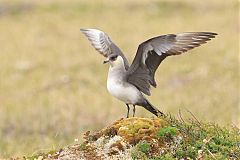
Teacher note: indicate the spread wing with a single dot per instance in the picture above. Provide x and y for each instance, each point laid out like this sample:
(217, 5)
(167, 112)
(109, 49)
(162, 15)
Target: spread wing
(153, 51)
(103, 44)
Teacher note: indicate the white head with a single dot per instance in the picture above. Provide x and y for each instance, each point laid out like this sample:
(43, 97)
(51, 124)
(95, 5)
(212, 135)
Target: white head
(114, 60)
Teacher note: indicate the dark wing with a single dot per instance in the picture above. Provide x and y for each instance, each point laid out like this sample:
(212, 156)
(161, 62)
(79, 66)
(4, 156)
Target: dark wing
(153, 51)
(103, 44)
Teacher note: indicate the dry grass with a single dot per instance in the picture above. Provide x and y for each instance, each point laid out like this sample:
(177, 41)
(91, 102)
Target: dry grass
(53, 86)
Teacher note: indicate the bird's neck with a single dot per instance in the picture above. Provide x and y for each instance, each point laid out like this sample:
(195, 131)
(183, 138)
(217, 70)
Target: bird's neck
(116, 71)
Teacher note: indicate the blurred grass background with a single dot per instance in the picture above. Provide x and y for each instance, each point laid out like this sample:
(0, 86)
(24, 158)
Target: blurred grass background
(53, 83)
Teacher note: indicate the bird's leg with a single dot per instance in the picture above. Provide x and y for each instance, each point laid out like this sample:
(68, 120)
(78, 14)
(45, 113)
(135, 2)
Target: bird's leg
(128, 108)
(134, 109)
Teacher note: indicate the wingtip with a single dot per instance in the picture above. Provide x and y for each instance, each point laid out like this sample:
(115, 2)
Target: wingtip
(90, 29)
(83, 30)
(211, 33)
(214, 34)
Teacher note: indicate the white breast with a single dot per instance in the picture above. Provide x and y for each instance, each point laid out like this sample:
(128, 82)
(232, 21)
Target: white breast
(116, 85)
(126, 93)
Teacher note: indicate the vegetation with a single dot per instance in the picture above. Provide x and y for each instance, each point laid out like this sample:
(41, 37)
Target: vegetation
(167, 131)
(203, 140)
(143, 146)
(53, 83)
(167, 139)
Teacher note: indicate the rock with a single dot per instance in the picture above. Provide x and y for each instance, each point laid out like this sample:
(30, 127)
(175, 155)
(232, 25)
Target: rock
(115, 141)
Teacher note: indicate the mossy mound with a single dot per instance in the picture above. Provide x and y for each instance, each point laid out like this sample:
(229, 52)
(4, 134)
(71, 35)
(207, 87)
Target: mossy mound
(132, 130)
(156, 139)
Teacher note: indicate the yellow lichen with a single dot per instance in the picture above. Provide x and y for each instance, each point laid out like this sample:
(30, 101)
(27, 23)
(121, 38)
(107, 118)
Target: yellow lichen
(135, 129)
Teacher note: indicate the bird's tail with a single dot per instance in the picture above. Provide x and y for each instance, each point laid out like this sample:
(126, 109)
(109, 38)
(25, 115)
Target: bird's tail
(153, 109)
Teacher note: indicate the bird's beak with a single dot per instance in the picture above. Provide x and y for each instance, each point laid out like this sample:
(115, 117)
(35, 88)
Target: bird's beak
(106, 61)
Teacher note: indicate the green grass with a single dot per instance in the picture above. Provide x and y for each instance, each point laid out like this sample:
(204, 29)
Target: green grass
(192, 140)
(167, 131)
(143, 147)
(53, 84)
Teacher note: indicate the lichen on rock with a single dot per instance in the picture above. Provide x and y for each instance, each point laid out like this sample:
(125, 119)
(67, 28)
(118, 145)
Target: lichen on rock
(132, 130)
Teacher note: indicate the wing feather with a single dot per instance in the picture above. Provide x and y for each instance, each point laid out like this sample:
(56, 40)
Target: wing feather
(99, 40)
(103, 44)
(153, 51)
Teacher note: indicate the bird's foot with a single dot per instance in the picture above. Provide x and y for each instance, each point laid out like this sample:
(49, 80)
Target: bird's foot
(161, 114)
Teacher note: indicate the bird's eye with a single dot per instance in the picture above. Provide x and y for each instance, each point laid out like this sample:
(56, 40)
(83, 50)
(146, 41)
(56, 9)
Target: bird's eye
(114, 58)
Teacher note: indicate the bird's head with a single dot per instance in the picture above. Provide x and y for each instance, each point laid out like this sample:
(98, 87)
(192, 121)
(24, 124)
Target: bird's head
(114, 60)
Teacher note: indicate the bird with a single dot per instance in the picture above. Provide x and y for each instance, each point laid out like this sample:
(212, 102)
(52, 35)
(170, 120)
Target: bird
(132, 83)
